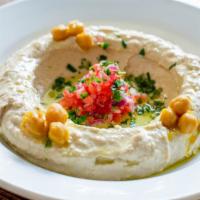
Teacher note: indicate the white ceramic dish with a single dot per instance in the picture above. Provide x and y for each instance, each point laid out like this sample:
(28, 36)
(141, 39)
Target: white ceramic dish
(22, 21)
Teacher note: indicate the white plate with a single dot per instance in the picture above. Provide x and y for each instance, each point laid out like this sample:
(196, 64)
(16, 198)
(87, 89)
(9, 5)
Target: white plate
(24, 20)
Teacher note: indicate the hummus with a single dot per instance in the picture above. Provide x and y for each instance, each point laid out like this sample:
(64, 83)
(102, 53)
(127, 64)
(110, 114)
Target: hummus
(115, 153)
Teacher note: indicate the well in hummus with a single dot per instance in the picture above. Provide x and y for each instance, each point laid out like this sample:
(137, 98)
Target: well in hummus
(101, 103)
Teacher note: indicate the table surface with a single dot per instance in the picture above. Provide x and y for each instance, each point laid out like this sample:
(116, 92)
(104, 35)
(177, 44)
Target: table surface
(5, 195)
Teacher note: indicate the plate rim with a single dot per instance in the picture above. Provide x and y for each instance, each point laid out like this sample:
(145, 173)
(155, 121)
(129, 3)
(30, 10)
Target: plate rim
(30, 194)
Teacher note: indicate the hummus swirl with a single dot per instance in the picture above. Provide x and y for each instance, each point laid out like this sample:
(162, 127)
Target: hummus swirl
(115, 153)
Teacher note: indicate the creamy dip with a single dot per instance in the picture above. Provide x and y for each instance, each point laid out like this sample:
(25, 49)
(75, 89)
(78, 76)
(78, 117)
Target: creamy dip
(114, 153)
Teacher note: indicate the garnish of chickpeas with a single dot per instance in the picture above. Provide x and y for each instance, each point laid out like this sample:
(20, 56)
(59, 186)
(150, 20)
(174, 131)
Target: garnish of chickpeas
(47, 125)
(58, 133)
(59, 33)
(180, 105)
(179, 115)
(62, 32)
(84, 41)
(76, 29)
(188, 123)
(34, 123)
(168, 117)
(56, 113)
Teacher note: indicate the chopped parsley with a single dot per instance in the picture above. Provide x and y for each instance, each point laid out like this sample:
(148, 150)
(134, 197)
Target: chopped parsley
(72, 88)
(68, 83)
(76, 119)
(124, 44)
(81, 119)
(146, 108)
(107, 71)
(144, 84)
(117, 95)
(85, 64)
(153, 109)
(118, 83)
(104, 45)
(59, 83)
(105, 63)
(84, 95)
(96, 79)
(172, 66)
(142, 52)
(102, 57)
(48, 143)
(159, 105)
(71, 68)
(129, 79)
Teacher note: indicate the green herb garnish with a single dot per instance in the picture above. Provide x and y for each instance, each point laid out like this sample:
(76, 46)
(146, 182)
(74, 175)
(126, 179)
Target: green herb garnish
(144, 84)
(104, 45)
(172, 66)
(96, 79)
(72, 88)
(85, 64)
(108, 72)
(81, 119)
(105, 63)
(72, 115)
(76, 119)
(142, 52)
(59, 83)
(118, 83)
(68, 83)
(117, 95)
(146, 108)
(102, 57)
(48, 143)
(159, 105)
(84, 95)
(124, 44)
(71, 68)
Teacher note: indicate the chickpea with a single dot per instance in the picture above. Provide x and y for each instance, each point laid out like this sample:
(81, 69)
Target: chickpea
(74, 28)
(58, 133)
(188, 123)
(56, 113)
(59, 33)
(34, 123)
(180, 105)
(84, 40)
(168, 117)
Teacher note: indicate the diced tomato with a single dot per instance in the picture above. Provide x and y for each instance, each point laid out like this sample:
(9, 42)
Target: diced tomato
(117, 117)
(99, 102)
